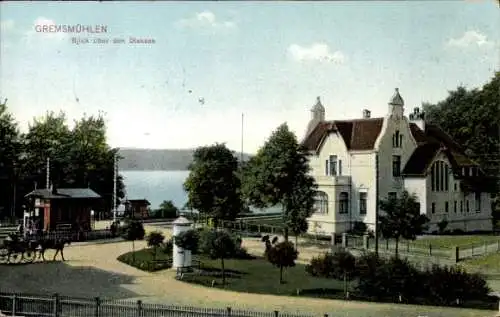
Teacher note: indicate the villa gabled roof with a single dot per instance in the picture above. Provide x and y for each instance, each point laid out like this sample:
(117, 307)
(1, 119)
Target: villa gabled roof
(358, 134)
(430, 142)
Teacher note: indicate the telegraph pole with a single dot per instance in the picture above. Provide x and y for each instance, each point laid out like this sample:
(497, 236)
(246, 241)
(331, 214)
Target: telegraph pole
(241, 154)
(376, 202)
(113, 202)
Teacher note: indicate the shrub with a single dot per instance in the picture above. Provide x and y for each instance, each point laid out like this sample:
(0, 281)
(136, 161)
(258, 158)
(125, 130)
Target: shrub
(168, 246)
(155, 238)
(188, 240)
(282, 255)
(133, 230)
(359, 228)
(444, 285)
(333, 265)
(442, 226)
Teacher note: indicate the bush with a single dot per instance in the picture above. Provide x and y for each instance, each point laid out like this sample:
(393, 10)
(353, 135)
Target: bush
(359, 228)
(442, 226)
(333, 265)
(444, 285)
(188, 240)
(168, 246)
(155, 239)
(133, 230)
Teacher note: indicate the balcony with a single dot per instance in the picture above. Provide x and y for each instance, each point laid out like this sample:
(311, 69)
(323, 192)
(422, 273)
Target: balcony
(343, 180)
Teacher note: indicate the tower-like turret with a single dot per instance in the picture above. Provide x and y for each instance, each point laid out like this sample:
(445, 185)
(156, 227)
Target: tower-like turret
(396, 105)
(317, 116)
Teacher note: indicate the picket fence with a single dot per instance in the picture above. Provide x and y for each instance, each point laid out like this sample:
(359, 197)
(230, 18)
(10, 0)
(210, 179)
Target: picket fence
(63, 306)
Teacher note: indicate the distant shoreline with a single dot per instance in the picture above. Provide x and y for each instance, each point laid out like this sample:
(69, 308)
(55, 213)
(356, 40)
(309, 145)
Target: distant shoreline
(168, 160)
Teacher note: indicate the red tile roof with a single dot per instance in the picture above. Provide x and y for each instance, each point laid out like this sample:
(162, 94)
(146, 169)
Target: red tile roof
(359, 134)
(429, 143)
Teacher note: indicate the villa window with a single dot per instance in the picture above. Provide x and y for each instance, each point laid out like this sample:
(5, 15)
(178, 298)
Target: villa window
(332, 165)
(467, 206)
(343, 203)
(446, 207)
(455, 206)
(446, 177)
(461, 206)
(478, 202)
(396, 165)
(433, 208)
(321, 203)
(396, 139)
(362, 203)
(340, 167)
(433, 177)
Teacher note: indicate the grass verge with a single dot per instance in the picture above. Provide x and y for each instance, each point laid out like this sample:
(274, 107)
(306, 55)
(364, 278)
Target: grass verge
(146, 260)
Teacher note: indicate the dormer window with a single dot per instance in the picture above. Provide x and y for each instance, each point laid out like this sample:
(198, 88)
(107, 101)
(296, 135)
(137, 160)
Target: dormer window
(397, 139)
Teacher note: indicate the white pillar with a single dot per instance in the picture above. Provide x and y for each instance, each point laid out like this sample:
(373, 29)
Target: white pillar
(181, 257)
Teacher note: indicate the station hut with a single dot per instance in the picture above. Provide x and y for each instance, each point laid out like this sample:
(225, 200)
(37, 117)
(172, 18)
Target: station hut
(65, 208)
(137, 208)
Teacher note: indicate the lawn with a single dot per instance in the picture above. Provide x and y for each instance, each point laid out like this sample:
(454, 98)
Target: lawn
(146, 259)
(485, 264)
(278, 222)
(452, 241)
(259, 276)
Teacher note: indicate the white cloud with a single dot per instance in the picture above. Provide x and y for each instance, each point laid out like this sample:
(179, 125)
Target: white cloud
(203, 20)
(6, 25)
(469, 39)
(319, 52)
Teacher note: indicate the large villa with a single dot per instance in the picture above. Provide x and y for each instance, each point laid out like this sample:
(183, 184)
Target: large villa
(357, 162)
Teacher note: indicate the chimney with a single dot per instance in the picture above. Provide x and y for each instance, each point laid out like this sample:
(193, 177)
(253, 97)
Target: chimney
(418, 117)
(366, 114)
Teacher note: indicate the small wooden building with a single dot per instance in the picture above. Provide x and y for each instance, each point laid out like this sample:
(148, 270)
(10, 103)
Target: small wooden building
(68, 207)
(137, 208)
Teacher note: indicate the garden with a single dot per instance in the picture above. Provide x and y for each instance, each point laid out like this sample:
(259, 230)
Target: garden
(222, 262)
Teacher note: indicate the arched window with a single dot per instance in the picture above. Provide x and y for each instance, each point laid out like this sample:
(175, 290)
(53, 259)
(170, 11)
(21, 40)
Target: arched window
(440, 176)
(321, 203)
(343, 203)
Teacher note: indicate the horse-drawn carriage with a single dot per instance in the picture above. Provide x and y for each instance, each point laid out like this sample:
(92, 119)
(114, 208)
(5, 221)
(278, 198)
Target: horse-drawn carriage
(19, 249)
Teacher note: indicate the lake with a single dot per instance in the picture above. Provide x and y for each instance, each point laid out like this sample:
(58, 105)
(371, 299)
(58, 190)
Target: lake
(157, 186)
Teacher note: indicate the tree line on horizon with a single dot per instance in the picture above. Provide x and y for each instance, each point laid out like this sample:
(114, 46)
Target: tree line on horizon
(79, 158)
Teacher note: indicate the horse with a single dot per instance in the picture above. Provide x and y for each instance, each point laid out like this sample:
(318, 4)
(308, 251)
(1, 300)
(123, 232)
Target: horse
(54, 244)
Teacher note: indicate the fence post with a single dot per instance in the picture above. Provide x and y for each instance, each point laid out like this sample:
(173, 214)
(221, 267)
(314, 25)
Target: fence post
(472, 252)
(430, 249)
(485, 248)
(14, 304)
(457, 254)
(56, 305)
(344, 240)
(276, 313)
(97, 304)
(229, 311)
(139, 308)
(498, 245)
(365, 241)
(258, 228)
(407, 246)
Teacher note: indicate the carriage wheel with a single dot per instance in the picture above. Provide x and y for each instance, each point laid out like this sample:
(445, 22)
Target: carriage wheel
(29, 256)
(3, 256)
(16, 257)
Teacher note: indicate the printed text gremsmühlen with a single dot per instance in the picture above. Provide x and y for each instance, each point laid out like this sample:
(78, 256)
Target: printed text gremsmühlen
(66, 28)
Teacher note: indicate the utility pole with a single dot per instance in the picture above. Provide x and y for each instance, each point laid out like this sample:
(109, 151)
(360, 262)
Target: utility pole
(113, 202)
(241, 154)
(376, 202)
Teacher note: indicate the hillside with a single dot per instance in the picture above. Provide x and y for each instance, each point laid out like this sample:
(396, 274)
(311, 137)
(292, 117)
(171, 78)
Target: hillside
(157, 159)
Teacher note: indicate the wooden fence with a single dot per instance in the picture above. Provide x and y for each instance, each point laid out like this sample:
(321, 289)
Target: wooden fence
(63, 306)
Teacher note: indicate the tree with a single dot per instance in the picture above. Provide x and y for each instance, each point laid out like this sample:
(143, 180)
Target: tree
(10, 146)
(154, 240)
(167, 210)
(402, 218)
(134, 230)
(78, 158)
(281, 254)
(218, 244)
(442, 226)
(471, 118)
(187, 240)
(279, 175)
(212, 185)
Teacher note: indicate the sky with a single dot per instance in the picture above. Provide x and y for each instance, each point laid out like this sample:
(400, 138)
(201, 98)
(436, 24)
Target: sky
(212, 62)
